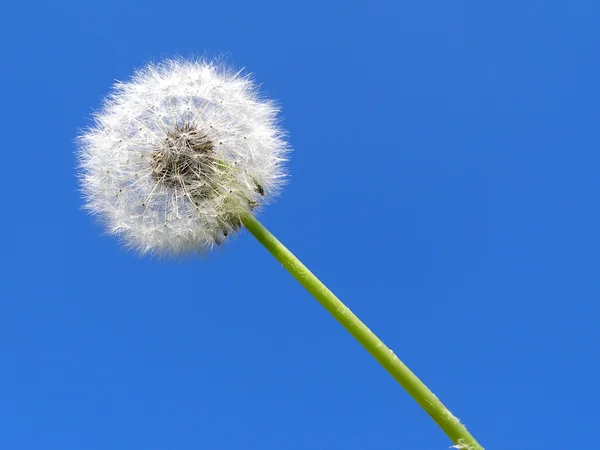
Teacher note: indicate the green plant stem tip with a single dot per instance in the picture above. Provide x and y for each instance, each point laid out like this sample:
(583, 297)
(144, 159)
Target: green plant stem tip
(386, 357)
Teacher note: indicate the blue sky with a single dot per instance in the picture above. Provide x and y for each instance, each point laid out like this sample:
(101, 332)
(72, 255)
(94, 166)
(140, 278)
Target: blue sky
(444, 184)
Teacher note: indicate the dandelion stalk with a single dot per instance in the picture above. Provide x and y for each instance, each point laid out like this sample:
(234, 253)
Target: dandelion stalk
(455, 430)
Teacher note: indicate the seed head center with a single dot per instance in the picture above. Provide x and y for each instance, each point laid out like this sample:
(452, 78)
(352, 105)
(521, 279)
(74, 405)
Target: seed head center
(185, 160)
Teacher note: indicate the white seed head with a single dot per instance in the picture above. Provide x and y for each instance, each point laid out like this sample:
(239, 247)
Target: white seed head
(178, 153)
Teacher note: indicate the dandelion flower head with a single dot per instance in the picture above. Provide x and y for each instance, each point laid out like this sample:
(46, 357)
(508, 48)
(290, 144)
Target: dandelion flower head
(178, 153)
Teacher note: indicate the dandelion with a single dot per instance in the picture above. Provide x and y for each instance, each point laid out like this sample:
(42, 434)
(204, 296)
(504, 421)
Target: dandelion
(182, 156)
(178, 153)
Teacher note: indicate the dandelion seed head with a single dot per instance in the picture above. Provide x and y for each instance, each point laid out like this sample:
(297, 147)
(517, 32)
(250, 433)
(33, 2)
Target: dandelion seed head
(176, 155)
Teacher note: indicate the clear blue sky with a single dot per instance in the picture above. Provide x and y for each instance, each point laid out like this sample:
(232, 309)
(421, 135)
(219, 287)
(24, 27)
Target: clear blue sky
(444, 183)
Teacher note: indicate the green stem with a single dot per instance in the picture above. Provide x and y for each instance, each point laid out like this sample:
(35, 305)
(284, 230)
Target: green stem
(386, 357)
